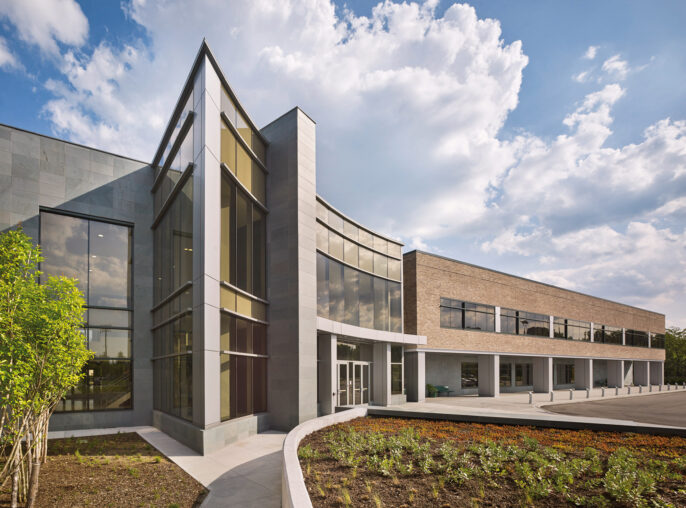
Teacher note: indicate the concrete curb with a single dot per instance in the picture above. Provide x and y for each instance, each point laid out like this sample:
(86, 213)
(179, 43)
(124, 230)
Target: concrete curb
(293, 491)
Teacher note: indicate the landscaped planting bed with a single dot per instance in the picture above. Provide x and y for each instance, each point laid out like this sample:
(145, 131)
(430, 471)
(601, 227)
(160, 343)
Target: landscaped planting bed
(376, 461)
(118, 470)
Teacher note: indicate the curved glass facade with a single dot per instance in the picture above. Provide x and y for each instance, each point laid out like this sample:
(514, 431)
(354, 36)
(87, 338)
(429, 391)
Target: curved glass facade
(359, 274)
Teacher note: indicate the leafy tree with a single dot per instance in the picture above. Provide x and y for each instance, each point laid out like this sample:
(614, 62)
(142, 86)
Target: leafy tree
(42, 354)
(675, 355)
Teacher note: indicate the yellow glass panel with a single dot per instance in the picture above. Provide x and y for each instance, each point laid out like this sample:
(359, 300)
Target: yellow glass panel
(244, 167)
(225, 239)
(228, 148)
(244, 130)
(243, 305)
(227, 298)
(259, 148)
(258, 183)
(259, 311)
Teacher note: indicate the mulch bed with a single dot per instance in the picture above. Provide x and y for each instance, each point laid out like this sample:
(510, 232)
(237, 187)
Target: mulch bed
(330, 483)
(118, 470)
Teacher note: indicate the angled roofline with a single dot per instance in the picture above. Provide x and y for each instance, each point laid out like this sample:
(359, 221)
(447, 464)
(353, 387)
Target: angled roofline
(73, 143)
(417, 251)
(203, 51)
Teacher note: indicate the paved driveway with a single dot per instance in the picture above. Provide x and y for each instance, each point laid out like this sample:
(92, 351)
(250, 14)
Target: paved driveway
(659, 409)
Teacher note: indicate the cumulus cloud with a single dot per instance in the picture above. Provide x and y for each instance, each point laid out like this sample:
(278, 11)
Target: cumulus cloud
(581, 77)
(616, 67)
(591, 52)
(47, 22)
(411, 103)
(7, 58)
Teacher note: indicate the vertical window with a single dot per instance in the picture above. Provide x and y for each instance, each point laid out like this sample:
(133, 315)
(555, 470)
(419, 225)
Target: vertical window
(470, 375)
(173, 321)
(98, 254)
(506, 374)
(243, 367)
(396, 370)
(243, 242)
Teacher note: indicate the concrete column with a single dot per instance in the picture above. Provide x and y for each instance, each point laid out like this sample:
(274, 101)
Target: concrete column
(641, 373)
(657, 373)
(206, 249)
(592, 331)
(615, 373)
(415, 375)
(623, 336)
(489, 367)
(292, 269)
(551, 333)
(328, 375)
(497, 319)
(543, 374)
(381, 391)
(583, 373)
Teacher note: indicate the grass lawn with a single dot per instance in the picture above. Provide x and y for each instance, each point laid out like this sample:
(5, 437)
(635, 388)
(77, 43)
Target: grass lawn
(118, 470)
(410, 462)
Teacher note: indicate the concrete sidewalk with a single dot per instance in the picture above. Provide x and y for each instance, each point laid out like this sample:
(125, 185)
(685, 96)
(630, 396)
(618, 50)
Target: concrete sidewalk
(246, 473)
(515, 408)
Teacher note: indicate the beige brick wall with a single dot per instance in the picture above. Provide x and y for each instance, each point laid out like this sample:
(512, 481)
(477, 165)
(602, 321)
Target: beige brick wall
(428, 278)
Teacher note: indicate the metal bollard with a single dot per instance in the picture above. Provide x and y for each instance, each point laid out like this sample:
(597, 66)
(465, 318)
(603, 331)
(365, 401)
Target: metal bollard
(628, 390)
(588, 393)
(552, 396)
(571, 393)
(602, 391)
(640, 388)
(531, 397)
(650, 387)
(616, 390)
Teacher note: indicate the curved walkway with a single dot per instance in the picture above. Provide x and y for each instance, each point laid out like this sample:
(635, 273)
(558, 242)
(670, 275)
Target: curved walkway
(659, 409)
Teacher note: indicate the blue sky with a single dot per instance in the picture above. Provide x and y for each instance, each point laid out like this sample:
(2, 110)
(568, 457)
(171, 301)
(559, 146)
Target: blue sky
(545, 139)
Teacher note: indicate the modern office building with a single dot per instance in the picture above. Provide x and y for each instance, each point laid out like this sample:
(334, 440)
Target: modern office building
(224, 297)
(489, 332)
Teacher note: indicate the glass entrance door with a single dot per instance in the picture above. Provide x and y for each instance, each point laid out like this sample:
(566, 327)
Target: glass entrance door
(353, 383)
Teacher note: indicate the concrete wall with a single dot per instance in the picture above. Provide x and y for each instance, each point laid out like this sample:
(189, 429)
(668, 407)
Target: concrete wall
(292, 269)
(429, 277)
(39, 171)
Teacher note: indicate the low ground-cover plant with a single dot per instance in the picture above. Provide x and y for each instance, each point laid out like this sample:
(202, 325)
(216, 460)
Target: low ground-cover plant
(419, 462)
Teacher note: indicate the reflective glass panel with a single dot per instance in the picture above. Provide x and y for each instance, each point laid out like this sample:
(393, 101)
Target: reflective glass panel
(110, 265)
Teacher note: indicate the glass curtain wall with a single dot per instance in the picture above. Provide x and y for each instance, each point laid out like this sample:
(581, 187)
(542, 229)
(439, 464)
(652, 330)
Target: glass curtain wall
(243, 377)
(357, 298)
(99, 255)
(243, 356)
(172, 311)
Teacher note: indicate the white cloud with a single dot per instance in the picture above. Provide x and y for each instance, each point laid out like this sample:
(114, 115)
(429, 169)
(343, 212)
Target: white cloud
(7, 58)
(47, 22)
(591, 52)
(581, 77)
(616, 67)
(411, 104)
